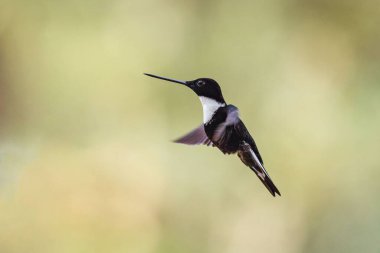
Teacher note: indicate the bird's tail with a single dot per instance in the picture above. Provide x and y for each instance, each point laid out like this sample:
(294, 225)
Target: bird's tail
(249, 158)
(266, 180)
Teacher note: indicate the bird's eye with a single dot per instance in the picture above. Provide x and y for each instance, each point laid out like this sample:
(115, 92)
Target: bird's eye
(200, 83)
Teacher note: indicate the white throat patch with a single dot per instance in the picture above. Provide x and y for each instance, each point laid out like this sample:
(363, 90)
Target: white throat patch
(209, 107)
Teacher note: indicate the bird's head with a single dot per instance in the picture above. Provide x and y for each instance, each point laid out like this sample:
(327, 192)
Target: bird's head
(203, 87)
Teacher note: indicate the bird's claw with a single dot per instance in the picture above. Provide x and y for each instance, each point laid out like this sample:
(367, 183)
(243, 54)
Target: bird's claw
(244, 146)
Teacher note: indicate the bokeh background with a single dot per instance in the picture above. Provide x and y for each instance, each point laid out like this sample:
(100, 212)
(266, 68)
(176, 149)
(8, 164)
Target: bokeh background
(86, 162)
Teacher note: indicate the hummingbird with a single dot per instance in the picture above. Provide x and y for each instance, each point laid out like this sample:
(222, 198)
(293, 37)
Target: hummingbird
(223, 128)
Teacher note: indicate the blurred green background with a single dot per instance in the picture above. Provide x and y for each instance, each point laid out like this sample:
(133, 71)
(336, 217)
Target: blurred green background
(86, 162)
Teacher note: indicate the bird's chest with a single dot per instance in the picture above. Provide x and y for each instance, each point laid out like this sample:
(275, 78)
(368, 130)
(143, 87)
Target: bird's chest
(229, 142)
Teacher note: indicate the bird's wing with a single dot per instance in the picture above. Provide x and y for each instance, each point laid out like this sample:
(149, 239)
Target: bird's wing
(232, 127)
(196, 137)
(242, 131)
(248, 152)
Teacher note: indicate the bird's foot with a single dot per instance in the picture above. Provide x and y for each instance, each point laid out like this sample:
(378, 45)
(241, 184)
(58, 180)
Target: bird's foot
(244, 146)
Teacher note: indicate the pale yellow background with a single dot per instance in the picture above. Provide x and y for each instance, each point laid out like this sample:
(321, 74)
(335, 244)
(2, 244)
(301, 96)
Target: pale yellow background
(86, 162)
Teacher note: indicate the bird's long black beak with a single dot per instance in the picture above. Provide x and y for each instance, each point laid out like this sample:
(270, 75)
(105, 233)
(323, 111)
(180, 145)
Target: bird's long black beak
(167, 79)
